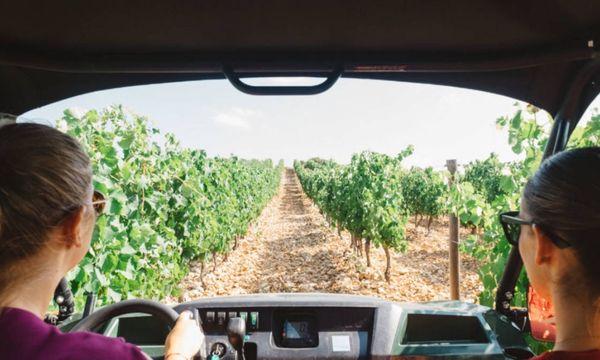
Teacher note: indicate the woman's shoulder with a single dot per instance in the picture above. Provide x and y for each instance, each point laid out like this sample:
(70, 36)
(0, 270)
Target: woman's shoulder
(29, 337)
(570, 355)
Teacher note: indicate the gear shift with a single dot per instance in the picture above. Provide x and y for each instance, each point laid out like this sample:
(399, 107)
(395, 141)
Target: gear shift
(236, 332)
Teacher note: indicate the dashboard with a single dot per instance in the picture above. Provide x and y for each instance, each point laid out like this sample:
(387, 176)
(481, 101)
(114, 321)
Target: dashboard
(332, 326)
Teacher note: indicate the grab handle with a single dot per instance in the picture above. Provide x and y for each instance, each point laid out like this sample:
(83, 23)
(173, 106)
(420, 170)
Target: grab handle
(235, 80)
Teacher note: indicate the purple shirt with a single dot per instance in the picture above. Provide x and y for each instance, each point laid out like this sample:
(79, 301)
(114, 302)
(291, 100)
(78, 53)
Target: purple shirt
(24, 336)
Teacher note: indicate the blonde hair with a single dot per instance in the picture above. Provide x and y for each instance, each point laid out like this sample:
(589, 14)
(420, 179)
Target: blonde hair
(45, 175)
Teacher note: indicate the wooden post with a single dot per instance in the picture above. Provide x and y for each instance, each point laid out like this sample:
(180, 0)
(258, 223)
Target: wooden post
(453, 241)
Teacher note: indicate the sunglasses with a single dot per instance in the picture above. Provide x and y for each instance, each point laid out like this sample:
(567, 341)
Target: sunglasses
(511, 223)
(98, 202)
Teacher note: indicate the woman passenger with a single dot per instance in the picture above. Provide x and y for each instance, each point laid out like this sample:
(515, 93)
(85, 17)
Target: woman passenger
(559, 243)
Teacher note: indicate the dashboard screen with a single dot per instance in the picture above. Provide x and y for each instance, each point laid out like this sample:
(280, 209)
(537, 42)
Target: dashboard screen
(295, 330)
(298, 331)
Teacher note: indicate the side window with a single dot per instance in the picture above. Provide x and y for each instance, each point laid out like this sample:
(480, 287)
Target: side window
(587, 132)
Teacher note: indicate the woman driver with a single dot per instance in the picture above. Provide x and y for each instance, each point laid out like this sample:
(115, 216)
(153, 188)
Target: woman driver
(559, 226)
(47, 218)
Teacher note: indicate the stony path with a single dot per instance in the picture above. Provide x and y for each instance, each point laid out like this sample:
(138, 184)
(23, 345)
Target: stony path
(290, 248)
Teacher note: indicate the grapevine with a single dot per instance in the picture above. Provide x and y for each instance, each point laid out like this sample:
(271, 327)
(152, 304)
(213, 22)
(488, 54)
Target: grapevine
(363, 197)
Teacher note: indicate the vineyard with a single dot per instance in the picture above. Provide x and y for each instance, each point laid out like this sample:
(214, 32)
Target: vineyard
(166, 206)
(374, 196)
(180, 224)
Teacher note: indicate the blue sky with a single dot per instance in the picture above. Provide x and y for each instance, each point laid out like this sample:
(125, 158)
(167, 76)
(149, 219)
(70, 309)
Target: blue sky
(354, 115)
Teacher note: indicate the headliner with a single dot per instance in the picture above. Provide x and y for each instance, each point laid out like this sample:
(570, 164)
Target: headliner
(533, 51)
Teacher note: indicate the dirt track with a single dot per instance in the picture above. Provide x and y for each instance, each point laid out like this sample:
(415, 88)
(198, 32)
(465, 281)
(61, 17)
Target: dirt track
(290, 248)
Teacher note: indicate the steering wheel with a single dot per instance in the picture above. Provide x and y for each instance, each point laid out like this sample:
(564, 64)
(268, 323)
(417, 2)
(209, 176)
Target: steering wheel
(97, 318)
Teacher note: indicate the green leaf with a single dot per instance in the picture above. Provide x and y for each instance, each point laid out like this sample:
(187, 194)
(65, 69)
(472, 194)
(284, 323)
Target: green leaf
(507, 184)
(100, 277)
(110, 263)
(127, 250)
(113, 295)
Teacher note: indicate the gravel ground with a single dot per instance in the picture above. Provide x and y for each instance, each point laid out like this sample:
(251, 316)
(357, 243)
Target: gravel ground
(290, 248)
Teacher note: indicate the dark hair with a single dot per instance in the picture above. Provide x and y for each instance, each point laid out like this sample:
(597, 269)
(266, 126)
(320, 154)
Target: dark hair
(44, 176)
(564, 197)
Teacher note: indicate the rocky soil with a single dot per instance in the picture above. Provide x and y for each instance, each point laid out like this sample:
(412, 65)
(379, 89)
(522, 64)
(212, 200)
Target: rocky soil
(290, 248)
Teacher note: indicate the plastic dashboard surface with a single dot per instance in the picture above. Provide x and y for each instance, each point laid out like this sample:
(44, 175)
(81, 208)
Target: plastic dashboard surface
(328, 326)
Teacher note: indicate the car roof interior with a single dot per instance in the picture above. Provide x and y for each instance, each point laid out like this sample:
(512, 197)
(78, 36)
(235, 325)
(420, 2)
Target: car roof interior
(542, 52)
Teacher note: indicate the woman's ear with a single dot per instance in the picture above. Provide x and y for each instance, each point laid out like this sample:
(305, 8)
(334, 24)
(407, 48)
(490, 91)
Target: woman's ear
(545, 249)
(71, 229)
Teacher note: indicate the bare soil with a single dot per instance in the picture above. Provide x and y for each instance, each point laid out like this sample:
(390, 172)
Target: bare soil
(291, 248)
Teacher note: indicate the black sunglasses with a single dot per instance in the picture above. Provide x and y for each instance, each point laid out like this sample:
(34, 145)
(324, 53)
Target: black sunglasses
(511, 223)
(98, 202)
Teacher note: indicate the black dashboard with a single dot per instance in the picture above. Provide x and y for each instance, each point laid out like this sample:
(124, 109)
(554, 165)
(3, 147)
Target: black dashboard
(331, 326)
(284, 331)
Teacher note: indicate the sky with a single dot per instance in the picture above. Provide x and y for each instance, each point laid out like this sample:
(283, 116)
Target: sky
(354, 115)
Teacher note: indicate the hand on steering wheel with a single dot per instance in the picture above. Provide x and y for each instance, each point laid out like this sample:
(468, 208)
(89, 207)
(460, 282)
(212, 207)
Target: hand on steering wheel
(185, 338)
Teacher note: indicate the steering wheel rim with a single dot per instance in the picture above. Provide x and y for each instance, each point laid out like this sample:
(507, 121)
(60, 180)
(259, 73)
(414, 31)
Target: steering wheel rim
(163, 312)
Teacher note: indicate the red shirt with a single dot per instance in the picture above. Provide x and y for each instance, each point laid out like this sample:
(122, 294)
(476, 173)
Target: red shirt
(569, 355)
(25, 336)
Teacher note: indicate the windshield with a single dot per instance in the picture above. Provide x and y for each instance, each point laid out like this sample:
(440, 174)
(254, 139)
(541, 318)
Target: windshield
(212, 192)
